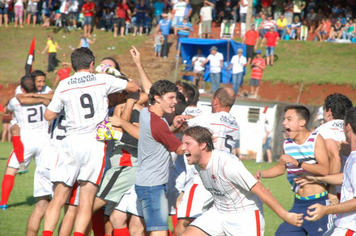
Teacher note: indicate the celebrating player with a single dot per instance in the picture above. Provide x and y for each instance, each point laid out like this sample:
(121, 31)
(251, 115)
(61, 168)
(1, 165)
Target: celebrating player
(237, 206)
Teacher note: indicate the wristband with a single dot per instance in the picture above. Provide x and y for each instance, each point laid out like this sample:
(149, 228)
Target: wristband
(300, 162)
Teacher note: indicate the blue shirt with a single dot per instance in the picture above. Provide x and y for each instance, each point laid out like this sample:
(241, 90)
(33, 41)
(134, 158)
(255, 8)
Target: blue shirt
(141, 8)
(165, 26)
(187, 9)
(158, 6)
(85, 43)
(184, 32)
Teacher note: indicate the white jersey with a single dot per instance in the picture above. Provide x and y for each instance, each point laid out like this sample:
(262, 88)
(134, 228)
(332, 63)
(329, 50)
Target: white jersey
(223, 127)
(84, 99)
(348, 192)
(45, 90)
(198, 61)
(29, 117)
(227, 179)
(193, 111)
(57, 130)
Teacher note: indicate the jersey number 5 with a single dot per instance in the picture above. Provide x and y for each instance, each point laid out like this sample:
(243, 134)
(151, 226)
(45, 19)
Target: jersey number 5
(87, 102)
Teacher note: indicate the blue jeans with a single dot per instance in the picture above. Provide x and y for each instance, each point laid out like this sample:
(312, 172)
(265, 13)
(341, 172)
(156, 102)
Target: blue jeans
(154, 206)
(269, 51)
(282, 33)
(237, 80)
(215, 81)
(346, 35)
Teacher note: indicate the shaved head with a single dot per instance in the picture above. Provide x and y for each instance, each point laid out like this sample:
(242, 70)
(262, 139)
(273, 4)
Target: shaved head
(226, 96)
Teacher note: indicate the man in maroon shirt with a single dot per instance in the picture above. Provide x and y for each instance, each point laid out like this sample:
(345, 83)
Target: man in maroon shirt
(251, 39)
(121, 12)
(88, 11)
(272, 38)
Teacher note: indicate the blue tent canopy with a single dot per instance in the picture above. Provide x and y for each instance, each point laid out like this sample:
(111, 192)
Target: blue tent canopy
(190, 46)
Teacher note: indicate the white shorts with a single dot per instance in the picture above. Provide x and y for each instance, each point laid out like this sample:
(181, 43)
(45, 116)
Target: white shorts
(73, 198)
(82, 158)
(13, 122)
(49, 155)
(343, 232)
(42, 182)
(214, 223)
(130, 204)
(33, 144)
(195, 200)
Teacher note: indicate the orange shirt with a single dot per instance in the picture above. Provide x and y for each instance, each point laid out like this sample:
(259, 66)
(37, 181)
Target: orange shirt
(251, 37)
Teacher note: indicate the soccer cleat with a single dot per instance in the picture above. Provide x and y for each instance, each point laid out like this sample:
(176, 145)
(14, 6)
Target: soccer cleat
(22, 169)
(3, 207)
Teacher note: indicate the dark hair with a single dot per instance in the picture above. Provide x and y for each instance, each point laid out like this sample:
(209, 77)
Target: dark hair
(181, 104)
(81, 58)
(117, 66)
(225, 97)
(36, 73)
(28, 84)
(188, 92)
(160, 88)
(338, 103)
(201, 135)
(195, 100)
(350, 118)
(302, 112)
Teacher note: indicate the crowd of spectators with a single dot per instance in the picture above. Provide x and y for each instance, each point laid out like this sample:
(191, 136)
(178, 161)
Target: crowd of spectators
(292, 19)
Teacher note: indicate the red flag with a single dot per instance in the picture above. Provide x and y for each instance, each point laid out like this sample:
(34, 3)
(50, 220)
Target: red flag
(30, 57)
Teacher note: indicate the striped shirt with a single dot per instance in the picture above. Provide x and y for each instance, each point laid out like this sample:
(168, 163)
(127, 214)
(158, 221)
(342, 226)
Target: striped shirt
(267, 24)
(257, 72)
(304, 152)
(230, 183)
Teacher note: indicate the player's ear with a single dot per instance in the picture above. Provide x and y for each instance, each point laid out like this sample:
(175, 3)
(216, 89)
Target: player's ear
(202, 146)
(157, 98)
(303, 123)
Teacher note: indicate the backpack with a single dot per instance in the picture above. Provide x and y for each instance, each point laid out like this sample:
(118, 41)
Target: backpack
(2, 4)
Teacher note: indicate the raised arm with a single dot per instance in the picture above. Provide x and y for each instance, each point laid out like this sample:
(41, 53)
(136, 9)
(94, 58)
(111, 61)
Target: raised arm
(145, 80)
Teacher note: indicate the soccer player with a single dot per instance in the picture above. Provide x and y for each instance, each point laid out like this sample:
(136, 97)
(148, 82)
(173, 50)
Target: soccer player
(304, 152)
(83, 97)
(237, 195)
(225, 131)
(192, 108)
(335, 107)
(30, 118)
(346, 210)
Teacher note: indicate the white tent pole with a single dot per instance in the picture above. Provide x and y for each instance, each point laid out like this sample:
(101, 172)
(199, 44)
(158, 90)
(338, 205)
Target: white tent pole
(177, 59)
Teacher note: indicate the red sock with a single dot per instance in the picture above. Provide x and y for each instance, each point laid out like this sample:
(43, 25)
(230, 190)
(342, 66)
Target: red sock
(78, 234)
(97, 223)
(18, 148)
(169, 233)
(107, 235)
(122, 232)
(6, 188)
(47, 233)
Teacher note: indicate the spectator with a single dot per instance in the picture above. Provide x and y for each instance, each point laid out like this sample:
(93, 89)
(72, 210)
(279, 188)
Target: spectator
(88, 11)
(311, 20)
(349, 30)
(122, 12)
(85, 42)
(288, 11)
(267, 141)
(98, 11)
(73, 11)
(164, 25)
(216, 63)
(258, 65)
(336, 10)
(278, 8)
(281, 26)
(198, 68)
(63, 73)
(46, 14)
(159, 40)
(64, 18)
(238, 63)
(206, 18)
(336, 31)
(272, 39)
(251, 40)
(227, 17)
(342, 19)
(178, 11)
(4, 12)
(266, 7)
(183, 29)
(258, 20)
(158, 7)
(294, 30)
(243, 13)
(6, 124)
(348, 13)
(52, 47)
(140, 10)
(188, 9)
(107, 20)
(267, 24)
(323, 29)
(31, 11)
(298, 8)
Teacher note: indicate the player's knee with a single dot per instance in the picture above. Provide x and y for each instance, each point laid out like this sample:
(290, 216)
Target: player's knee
(15, 130)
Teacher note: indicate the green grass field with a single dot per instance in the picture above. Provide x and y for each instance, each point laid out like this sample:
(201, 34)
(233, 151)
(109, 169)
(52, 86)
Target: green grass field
(317, 62)
(21, 203)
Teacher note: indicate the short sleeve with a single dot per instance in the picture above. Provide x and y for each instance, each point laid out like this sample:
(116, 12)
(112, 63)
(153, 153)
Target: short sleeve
(11, 105)
(353, 179)
(221, 56)
(18, 90)
(56, 104)
(237, 173)
(198, 120)
(233, 60)
(210, 56)
(113, 84)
